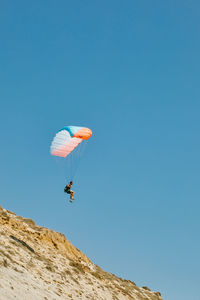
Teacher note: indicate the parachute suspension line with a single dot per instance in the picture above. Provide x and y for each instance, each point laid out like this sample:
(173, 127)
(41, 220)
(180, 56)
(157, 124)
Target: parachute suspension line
(74, 159)
(80, 153)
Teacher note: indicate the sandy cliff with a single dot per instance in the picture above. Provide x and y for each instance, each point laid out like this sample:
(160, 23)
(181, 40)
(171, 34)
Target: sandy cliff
(37, 263)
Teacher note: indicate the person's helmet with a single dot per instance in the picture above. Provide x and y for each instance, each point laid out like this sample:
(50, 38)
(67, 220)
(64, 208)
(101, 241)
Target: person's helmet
(71, 182)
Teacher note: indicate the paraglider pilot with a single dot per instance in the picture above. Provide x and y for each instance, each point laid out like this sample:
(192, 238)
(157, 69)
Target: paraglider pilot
(68, 190)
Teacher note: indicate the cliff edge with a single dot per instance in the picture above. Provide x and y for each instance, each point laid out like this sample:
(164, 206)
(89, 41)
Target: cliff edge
(38, 263)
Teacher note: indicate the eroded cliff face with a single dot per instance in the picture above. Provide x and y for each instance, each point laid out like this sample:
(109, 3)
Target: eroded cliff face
(38, 263)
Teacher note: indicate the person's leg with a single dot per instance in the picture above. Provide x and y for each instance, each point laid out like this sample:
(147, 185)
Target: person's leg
(72, 195)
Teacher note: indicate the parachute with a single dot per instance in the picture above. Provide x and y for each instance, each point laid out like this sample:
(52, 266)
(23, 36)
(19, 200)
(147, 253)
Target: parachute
(66, 140)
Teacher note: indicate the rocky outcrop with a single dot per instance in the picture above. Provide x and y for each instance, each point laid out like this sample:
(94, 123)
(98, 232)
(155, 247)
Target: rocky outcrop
(39, 263)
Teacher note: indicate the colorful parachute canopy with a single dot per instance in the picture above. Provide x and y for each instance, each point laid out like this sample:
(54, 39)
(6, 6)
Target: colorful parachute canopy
(68, 138)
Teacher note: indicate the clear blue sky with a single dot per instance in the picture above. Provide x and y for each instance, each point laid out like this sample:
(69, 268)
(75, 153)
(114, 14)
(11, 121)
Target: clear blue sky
(129, 70)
